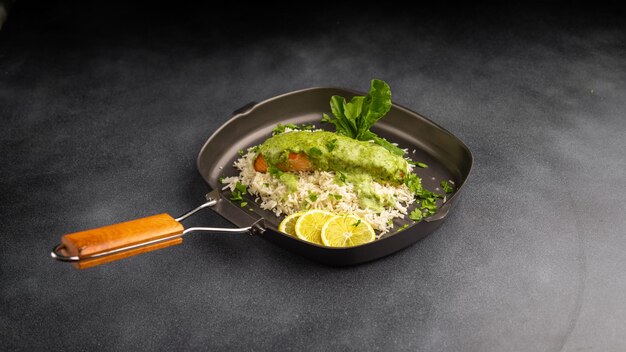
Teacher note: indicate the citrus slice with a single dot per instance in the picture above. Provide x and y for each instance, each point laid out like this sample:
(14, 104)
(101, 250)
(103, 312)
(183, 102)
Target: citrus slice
(288, 225)
(347, 231)
(309, 225)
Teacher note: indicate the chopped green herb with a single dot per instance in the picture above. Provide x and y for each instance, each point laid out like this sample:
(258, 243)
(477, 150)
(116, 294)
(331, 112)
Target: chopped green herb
(280, 128)
(331, 145)
(240, 152)
(356, 224)
(429, 206)
(417, 163)
(336, 196)
(256, 148)
(238, 192)
(243, 204)
(315, 152)
(341, 176)
(312, 196)
(274, 171)
(447, 187)
(414, 183)
(221, 179)
(415, 215)
(428, 198)
(241, 188)
(403, 227)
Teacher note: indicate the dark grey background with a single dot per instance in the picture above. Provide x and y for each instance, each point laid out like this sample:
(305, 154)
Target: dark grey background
(105, 106)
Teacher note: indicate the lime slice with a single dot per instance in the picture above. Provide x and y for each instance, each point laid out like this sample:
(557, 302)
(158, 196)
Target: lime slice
(288, 225)
(309, 225)
(347, 231)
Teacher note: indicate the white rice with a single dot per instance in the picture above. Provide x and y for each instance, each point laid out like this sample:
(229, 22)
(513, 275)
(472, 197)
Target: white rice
(274, 195)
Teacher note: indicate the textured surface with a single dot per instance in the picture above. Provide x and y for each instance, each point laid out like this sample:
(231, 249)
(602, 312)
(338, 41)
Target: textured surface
(104, 109)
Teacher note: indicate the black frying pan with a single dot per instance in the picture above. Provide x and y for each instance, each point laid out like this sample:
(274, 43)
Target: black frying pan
(448, 159)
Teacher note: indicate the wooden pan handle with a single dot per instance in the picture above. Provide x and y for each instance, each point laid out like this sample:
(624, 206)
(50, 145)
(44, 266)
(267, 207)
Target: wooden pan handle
(87, 243)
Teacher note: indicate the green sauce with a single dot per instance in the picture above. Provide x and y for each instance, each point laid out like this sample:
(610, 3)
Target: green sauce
(360, 162)
(290, 180)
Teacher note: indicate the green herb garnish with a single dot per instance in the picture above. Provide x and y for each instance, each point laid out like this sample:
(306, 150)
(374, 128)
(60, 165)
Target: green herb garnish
(429, 206)
(417, 163)
(241, 188)
(313, 196)
(274, 171)
(428, 199)
(280, 128)
(243, 204)
(315, 152)
(354, 118)
(341, 176)
(414, 183)
(331, 145)
(239, 191)
(446, 187)
(416, 215)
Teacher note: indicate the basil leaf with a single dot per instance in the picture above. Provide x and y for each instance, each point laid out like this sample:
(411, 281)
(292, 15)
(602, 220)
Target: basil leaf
(353, 109)
(355, 118)
(342, 124)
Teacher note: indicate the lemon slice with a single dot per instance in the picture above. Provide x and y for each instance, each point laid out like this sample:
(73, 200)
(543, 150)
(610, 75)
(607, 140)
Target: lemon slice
(309, 225)
(288, 225)
(347, 231)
